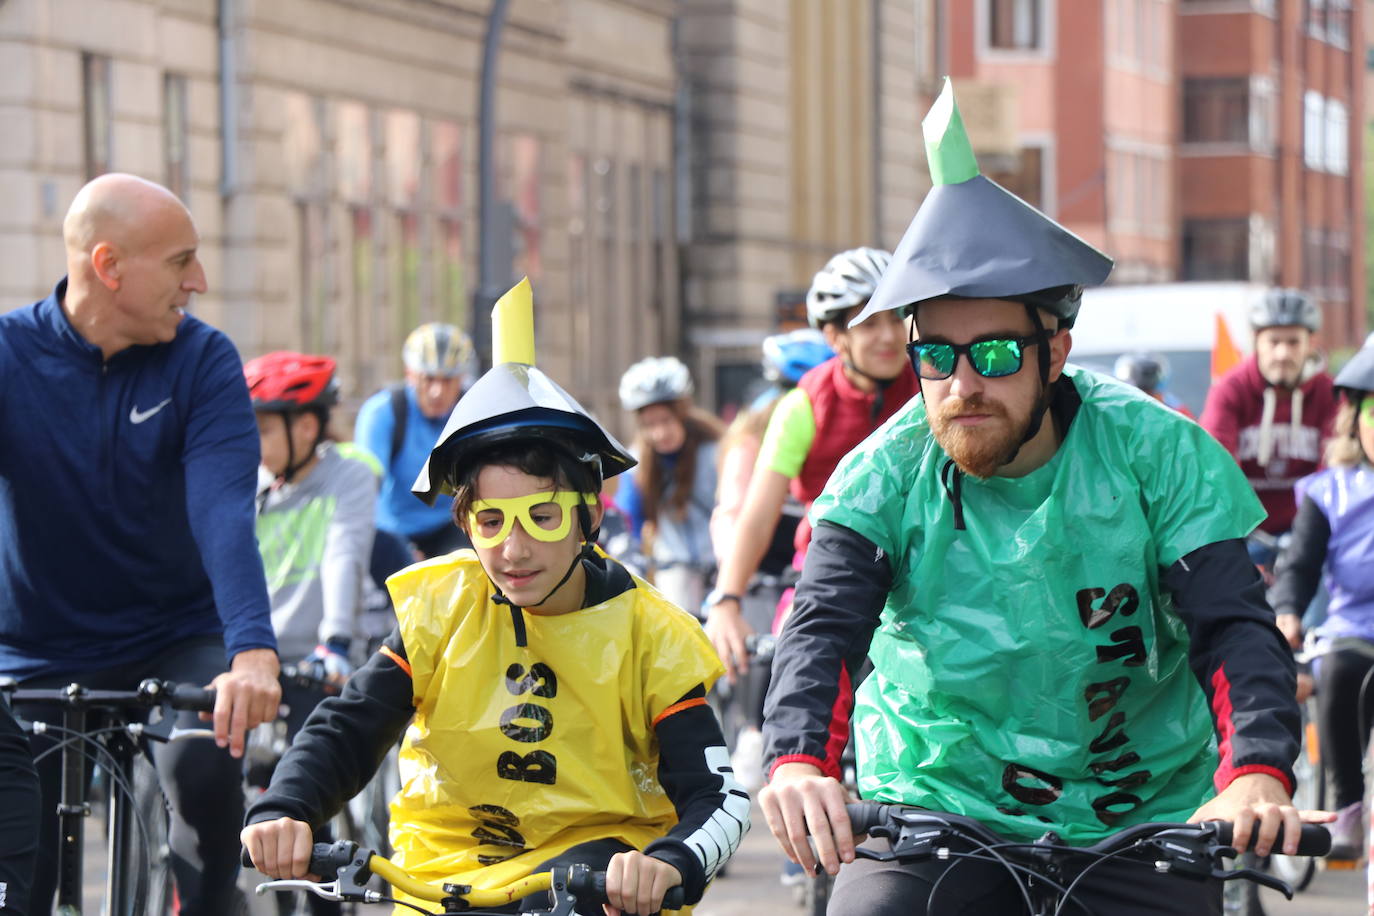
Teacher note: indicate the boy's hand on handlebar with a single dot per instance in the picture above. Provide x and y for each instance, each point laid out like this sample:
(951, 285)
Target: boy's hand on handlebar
(1258, 803)
(636, 883)
(798, 801)
(728, 630)
(280, 848)
(246, 695)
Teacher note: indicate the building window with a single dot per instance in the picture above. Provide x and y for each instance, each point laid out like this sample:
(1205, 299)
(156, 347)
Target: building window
(1338, 23)
(176, 163)
(1015, 25)
(525, 197)
(1337, 129)
(1027, 178)
(1313, 129)
(95, 112)
(1216, 110)
(1217, 249)
(446, 151)
(1316, 18)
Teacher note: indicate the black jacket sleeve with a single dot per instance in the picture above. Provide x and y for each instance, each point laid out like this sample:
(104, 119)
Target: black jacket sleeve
(1298, 571)
(838, 604)
(712, 808)
(342, 743)
(1241, 660)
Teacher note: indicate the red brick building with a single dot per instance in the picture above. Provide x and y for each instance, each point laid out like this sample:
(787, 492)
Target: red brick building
(1191, 139)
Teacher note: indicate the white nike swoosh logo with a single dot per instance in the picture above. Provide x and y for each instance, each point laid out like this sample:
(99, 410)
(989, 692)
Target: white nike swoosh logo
(138, 416)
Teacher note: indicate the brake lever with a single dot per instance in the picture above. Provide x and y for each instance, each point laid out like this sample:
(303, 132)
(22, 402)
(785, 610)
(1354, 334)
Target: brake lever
(326, 890)
(1259, 877)
(1183, 854)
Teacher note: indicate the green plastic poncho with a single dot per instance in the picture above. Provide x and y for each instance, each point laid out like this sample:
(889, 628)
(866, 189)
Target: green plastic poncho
(1028, 670)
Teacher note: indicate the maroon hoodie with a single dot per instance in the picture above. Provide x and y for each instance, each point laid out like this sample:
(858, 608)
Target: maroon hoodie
(1276, 451)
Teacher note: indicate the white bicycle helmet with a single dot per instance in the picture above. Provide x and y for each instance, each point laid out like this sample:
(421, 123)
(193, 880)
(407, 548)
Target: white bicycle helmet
(439, 349)
(654, 381)
(1282, 308)
(847, 280)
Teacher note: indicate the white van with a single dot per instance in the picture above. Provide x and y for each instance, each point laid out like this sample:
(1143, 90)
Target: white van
(1177, 320)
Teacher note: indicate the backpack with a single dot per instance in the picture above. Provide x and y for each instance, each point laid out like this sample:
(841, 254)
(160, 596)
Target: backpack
(399, 415)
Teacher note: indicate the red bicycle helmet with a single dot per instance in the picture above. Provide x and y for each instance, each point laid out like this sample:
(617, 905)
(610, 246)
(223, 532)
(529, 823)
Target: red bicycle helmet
(286, 381)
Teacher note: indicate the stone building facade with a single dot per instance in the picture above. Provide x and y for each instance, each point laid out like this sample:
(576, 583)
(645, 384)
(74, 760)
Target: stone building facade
(674, 170)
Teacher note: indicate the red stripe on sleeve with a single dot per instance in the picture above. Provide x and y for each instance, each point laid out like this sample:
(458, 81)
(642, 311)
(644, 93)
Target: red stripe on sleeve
(839, 726)
(1226, 728)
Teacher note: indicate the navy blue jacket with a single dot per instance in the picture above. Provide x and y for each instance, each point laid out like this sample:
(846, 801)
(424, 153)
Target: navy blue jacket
(126, 497)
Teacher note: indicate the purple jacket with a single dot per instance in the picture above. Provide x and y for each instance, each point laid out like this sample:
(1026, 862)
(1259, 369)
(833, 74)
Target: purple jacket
(1345, 496)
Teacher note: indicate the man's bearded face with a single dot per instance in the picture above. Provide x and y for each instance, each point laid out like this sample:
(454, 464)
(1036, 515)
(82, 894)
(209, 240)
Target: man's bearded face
(979, 434)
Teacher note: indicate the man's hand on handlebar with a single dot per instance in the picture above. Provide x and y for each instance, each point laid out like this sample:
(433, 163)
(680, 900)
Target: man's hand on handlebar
(280, 848)
(636, 883)
(800, 801)
(1259, 803)
(246, 695)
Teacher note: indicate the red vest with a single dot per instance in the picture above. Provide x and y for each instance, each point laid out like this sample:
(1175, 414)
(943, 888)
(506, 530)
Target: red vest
(844, 418)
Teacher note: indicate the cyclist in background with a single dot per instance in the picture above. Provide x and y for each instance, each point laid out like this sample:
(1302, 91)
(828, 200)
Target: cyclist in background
(1048, 573)
(1334, 532)
(316, 516)
(1274, 410)
(316, 520)
(669, 495)
(1150, 373)
(831, 410)
(786, 358)
(399, 424)
(532, 638)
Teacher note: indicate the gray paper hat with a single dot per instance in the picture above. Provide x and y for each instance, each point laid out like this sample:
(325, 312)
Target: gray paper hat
(973, 239)
(1358, 374)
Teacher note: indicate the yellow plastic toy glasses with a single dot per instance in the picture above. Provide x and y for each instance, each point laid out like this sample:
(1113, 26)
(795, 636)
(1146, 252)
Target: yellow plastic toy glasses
(544, 516)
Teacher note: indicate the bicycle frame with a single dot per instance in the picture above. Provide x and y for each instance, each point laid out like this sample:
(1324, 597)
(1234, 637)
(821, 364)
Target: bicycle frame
(123, 743)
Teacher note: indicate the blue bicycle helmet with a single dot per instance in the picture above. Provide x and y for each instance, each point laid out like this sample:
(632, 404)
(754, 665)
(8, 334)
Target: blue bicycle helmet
(787, 357)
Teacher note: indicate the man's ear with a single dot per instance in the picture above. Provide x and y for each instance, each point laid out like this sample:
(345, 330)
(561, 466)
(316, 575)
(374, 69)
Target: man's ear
(1060, 344)
(105, 263)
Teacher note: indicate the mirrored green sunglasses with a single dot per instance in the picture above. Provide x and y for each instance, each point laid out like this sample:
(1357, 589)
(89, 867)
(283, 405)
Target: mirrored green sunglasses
(994, 358)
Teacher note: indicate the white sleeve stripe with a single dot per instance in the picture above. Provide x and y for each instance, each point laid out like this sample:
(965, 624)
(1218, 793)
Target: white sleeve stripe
(725, 828)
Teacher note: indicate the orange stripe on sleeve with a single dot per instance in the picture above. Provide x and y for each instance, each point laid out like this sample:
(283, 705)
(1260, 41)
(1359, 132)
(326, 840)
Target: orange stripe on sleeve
(400, 662)
(679, 707)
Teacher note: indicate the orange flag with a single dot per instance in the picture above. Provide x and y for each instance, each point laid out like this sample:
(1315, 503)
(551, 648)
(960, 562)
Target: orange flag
(1225, 356)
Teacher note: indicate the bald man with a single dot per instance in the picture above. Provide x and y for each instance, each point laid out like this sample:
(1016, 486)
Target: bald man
(128, 462)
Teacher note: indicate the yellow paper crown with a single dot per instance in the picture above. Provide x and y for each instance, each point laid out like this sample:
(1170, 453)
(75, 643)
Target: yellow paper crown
(512, 326)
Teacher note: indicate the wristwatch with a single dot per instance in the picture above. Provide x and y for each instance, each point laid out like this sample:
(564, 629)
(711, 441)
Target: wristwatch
(717, 596)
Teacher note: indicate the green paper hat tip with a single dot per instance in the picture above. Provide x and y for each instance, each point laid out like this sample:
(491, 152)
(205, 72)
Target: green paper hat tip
(948, 151)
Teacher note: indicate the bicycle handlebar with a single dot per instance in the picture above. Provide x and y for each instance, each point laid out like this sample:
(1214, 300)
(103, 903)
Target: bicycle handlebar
(865, 817)
(151, 692)
(352, 863)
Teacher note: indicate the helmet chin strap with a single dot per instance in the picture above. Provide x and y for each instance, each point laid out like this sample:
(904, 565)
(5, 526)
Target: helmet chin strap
(1042, 401)
(292, 467)
(880, 387)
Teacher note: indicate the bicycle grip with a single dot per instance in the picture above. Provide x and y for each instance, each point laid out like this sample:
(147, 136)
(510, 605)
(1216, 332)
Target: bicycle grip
(325, 858)
(189, 696)
(592, 885)
(864, 816)
(1314, 841)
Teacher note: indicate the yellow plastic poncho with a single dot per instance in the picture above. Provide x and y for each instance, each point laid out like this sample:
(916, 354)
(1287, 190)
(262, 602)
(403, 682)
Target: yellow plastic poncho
(518, 753)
